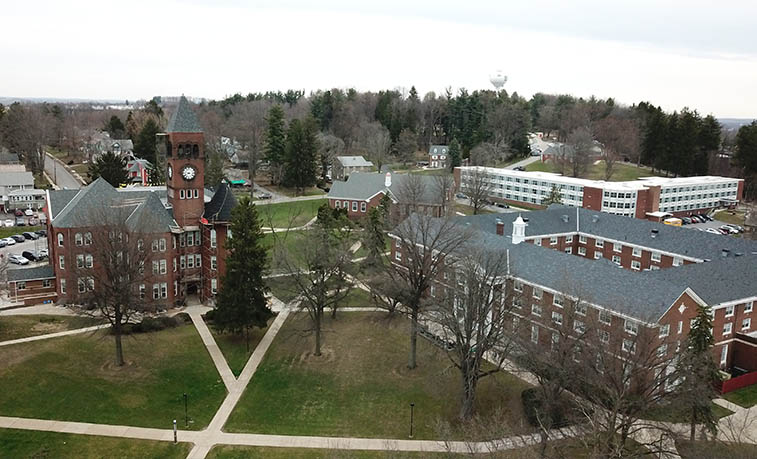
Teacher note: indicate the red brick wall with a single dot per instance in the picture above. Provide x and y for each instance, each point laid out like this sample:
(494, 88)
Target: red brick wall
(371, 203)
(34, 293)
(186, 211)
(592, 198)
(740, 190)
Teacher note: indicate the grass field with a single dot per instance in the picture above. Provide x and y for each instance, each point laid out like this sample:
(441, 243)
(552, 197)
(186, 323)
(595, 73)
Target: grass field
(361, 386)
(285, 214)
(714, 450)
(245, 452)
(745, 397)
(468, 210)
(234, 347)
(674, 413)
(7, 231)
(21, 444)
(282, 288)
(74, 379)
(15, 327)
(730, 216)
(623, 171)
(291, 192)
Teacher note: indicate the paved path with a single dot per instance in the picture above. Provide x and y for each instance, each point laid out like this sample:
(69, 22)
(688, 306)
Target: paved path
(60, 174)
(210, 343)
(283, 198)
(46, 309)
(268, 229)
(31, 339)
(524, 162)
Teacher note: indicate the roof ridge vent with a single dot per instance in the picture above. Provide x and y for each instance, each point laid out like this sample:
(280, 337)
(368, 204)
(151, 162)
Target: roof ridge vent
(594, 218)
(565, 218)
(654, 232)
(725, 252)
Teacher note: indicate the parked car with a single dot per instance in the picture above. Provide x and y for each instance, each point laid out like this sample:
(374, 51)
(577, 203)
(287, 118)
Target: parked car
(686, 220)
(461, 196)
(519, 168)
(18, 259)
(738, 228)
(31, 236)
(31, 255)
(19, 213)
(3, 243)
(503, 205)
(20, 221)
(28, 212)
(18, 238)
(34, 221)
(42, 232)
(265, 196)
(43, 253)
(9, 241)
(729, 229)
(8, 222)
(712, 230)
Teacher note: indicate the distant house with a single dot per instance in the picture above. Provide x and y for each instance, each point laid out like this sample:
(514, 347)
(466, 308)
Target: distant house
(139, 171)
(9, 162)
(26, 199)
(11, 181)
(102, 143)
(750, 221)
(32, 285)
(437, 156)
(343, 166)
(363, 191)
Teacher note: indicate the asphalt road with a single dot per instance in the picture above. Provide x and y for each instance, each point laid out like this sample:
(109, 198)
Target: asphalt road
(35, 245)
(60, 174)
(524, 162)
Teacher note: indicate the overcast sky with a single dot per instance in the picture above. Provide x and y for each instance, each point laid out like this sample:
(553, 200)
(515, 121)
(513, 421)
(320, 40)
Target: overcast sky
(701, 54)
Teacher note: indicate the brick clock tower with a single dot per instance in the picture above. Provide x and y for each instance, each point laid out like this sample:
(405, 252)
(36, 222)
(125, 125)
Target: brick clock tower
(185, 165)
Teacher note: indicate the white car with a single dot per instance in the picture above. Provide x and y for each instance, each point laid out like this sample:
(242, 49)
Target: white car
(8, 222)
(18, 259)
(9, 241)
(713, 231)
(29, 212)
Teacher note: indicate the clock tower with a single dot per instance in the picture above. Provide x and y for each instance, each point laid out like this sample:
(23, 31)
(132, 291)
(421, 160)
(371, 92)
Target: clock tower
(185, 165)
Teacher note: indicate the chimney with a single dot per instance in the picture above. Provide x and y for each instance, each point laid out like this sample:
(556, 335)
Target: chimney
(564, 218)
(519, 230)
(654, 233)
(500, 227)
(388, 180)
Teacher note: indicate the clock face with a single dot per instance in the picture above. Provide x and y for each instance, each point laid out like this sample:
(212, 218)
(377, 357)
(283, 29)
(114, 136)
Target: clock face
(188, 172)
(170, 171)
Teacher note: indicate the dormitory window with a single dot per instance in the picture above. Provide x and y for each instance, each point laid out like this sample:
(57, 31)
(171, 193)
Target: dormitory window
(729, 311)
(60, 239)
(582, 251)
(617, 247)
(605, 317)
(629, 346)
(536, 309)
(636, 252)
(354, 206)
(557, 300)
(727, 328)
(78, 239)
(664, 330)
(362, 207)
(746, 324)
(553, 240)
(677, 261)
(636, 265)
(213, 262)
(656, 256)
(537, 292)
(748, 307)
(599, 243)
(213, 286)
(616, 260)
(213, 238)
(631, 327)
(582, 239)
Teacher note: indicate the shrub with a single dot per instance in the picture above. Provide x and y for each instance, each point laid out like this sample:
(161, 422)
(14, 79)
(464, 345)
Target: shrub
(152, 324)
(533, 407)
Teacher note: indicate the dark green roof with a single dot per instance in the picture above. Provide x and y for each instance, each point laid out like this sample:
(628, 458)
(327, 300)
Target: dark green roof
(27, 274)
(219, 207)
(183, 119)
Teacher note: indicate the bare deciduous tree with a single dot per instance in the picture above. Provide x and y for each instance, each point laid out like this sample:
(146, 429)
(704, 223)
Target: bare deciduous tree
(472, 313)
(421, 242)
(376, 140)
(581, 142)
(116, 266)
(475, 184)
(621, 139)
(444, 186)
(331, 146)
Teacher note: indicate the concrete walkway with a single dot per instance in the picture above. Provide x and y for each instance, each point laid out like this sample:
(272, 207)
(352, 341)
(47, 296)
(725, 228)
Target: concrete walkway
(210, 343)
(31, 339)
(46, 309)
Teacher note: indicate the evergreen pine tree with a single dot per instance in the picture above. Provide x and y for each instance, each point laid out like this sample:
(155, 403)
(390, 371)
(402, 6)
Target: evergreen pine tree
(144, 146)
(301, 154)
(241, 301)
(554, 197)
(213, 169)
(111, 167)
(274, 148)
(156, 174)
(698, 374)
(455, 156)
(115, 127)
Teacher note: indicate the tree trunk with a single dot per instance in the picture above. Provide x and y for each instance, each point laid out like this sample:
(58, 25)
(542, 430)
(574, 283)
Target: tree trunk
(247, 338)
(119, 347)
(318, 314)
(413, 337)
(469, 392)
(693, 427)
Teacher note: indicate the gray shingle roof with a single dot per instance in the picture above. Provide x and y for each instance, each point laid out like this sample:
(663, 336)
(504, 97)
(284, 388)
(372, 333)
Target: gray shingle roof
(220, 206)
(440, 149)
(183, 118)
(644, 295)
(364, 185)
(9, 158)
(89, 206)
(25, 274)
(16, 178)
(354, 161)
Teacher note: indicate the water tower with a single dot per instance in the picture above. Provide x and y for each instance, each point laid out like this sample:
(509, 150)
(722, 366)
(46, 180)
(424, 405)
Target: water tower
(498, 79)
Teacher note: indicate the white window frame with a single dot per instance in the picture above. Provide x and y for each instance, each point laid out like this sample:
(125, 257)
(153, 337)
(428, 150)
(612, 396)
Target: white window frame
(363, 206)
(537, 293)
(569, 238)
(534, 333)
(617, 247)
(631, 327)
(729, 310)
(746, 324)
(636, 265)
(582, 239)
(656, 257)
(748, 306)
(557, 317)
(553, 240)
(664, 331)
(61, 262)
(628, 346)
(63, 286)
(518, 286)
(617, 260)
(636, 252)
(724, 354)
(558, 300)
(213, 286)
(597, 254)
(213, 262)
(78, 240)
(727, 328)
(604, 336)
(88, 261)
(198, 261)
(536, 310)
(677, 261)
(599, 243)
(582, 251)
(603, 313)
(213, 238)
(60, 239)
(354, 206)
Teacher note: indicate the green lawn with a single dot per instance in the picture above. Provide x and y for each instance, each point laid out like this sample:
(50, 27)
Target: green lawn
(81, 169)
(234, 347)
(675, 413)
(361, 386)
(357, 298)
(291, 192)
(15, 327)
(282, 288)
(715, 450)
(285, 214)
(746, 396)
(623, 171)
(245, 452)
(7, 231)
(21, 444)
(730, 216)
(74, 379)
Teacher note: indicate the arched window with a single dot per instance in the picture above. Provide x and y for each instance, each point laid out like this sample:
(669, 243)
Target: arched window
(195, 151)
(180, 150)
(60, 239)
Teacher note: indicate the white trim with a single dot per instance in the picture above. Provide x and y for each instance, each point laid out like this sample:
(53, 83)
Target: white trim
(691, 294)
(734, 302)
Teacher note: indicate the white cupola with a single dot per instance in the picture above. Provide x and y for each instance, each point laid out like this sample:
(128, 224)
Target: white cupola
(519, 230)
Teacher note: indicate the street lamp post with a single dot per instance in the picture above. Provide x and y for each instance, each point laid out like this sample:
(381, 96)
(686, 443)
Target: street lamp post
(186, 417)
(412, 406)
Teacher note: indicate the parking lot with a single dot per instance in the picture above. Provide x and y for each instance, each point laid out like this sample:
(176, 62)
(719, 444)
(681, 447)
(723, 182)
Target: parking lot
(703, 226)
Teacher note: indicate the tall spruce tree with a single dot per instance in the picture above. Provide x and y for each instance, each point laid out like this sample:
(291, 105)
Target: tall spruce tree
(213, 168)
(111, 167)
(241, 302)
(144, 146)
(274, 148)
(455, 156)
(301, 154)
(156, 174)
(554, 197)
(698, 374)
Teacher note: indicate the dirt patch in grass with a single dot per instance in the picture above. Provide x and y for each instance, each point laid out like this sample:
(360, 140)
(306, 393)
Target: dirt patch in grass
(15, 327)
